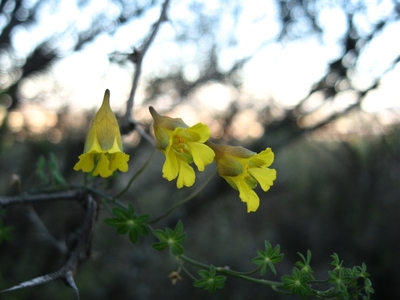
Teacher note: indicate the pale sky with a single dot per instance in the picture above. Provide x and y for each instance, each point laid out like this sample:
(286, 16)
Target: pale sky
(284, 72)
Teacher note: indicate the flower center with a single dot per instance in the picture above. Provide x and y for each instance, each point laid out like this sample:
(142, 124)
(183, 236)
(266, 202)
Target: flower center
(180, 145)
(181, 148)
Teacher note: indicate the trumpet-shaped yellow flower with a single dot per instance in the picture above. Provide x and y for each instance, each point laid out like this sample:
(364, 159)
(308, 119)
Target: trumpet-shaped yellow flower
(182, 145)
(243, 169)
(103, 146)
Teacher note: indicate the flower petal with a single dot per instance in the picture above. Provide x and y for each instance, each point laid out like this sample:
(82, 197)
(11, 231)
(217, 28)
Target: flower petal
(91, 142)
(202, 154)
(264, 176)
(85, 163)
(198, 132)
(246, 194)
(119, 160)
(171, 166)
(263, 159)
(102, 167)
(186, 176)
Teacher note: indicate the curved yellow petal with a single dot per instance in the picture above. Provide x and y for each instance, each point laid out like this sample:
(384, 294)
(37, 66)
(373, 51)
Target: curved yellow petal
(263, 159)
(264, 176)
(91, 142)
(119, 160)
(198, 132)
(102, 167)
(246, 194)
(186, 176)
(252, 201)
(171, 165)
(202, 154)
(85, 163)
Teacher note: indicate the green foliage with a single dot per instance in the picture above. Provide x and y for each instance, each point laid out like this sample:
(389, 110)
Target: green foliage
(126, 222)
(304, 264)
(209, 281)
(49, 171)
(297, 283)
(346, 281)
(266, 259)
(170, 238)
(343, 283)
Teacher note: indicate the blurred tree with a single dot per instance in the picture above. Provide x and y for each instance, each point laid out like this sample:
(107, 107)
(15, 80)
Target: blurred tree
(351, 31)
(35, 33)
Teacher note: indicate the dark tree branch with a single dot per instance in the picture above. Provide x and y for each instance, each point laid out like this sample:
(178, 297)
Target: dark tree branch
(40, 198)
(83, 238)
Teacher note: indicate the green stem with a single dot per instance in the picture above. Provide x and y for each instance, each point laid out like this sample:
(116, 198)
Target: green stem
(232, 273)
(278, 290)
(136, 175)
(187, 272)
(183, 201)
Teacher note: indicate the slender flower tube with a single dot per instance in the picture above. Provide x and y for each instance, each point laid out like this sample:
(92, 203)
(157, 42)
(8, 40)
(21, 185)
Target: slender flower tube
(244, 169)
(103, 152)
(182, 145)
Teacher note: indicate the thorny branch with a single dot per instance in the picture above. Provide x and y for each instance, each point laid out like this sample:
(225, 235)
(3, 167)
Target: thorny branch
(82, 241)
(85, 231)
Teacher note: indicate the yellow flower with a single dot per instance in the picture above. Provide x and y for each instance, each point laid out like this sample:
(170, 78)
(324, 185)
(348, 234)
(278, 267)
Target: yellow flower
(243, 169)
(182, 145)
(103, 146)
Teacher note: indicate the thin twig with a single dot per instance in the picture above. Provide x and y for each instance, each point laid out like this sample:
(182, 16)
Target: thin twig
(138, 55)
(127, 123)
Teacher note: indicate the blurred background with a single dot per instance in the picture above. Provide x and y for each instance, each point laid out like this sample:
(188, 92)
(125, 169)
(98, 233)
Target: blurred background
(317, 81)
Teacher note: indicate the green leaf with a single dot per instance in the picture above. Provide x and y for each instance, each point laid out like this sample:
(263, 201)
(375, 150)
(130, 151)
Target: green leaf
(209, 281)
(266, 259)
(170, 238)
(160, 246)
(336, 262)
(51, 175)
(297, 283)
(126, 222)
(304, 264)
